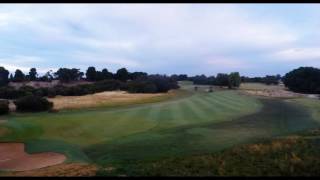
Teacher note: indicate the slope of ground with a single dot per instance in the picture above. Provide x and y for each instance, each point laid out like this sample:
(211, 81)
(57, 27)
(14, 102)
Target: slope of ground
(296, 155)
(259, 89)
(90, 127)
(106, 99)
(275, 119)
(198, 124)
(14, 158)
(64, 170)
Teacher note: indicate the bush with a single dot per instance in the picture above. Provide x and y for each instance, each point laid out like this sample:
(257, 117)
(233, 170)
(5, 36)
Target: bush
(303, 79)
(33, 104)
(51, 93)
(141, 87)
(4, 107)
(163, 83)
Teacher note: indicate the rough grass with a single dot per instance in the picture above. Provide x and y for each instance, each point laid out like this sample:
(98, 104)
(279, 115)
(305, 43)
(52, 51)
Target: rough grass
(287, 156)
(260, 86)
(107, 99)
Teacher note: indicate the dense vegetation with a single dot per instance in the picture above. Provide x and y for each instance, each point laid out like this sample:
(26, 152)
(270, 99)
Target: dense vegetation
(136, 82)
(33, 104)
(269, 79)
(231, 80)
(4, 107)
(304, 80)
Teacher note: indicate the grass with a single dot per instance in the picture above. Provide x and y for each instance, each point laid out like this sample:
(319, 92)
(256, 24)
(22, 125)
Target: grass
(90, 127)
(275, 119)
(287, 156)
(313, 106)
(110, 99)
(188, 125)
(259, 86)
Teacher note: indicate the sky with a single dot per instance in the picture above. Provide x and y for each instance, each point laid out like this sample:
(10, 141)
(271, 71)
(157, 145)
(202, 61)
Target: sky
(253, 39)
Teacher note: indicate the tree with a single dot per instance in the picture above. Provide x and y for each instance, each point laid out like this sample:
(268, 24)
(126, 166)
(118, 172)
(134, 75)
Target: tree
(303, 80)
(67, 75)
(234, 80)
(137, 75)
(182, 77)
(271, 80)
(106, 74)
(122, 74)
(222, 79)
(33, 74)
(3, 76)
(18, 76)
(11, 77)
(91, 74)
(47, 76)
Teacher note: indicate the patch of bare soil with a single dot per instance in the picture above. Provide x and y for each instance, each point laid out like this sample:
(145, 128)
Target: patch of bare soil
(14, 158)
(103, 98)
(280, 93)
(72, 169)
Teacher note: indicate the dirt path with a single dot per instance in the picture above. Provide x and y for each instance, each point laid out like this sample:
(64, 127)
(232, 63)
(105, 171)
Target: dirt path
(14, 158)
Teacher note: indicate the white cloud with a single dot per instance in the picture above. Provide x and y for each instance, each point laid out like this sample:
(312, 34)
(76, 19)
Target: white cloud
(117, 34)
(223, 62)
(298, 54)
(24, 63)
(104, 59)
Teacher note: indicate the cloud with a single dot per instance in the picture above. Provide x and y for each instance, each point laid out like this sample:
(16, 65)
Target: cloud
(228, 63)
(104, 60)
(298, 54)
(150, 37)
(24, 63)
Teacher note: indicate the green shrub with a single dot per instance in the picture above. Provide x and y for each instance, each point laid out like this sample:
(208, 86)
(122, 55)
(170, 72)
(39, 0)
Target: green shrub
(141, 87)
(4, 107)
(33, 103)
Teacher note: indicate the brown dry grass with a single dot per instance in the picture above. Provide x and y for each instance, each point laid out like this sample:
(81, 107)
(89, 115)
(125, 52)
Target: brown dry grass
(110, 98)
(14, 158)
(72, 169)
(280, 93)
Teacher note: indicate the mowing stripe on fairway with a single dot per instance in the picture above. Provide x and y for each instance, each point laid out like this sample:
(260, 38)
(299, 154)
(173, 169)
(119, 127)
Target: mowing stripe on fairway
(196, 109)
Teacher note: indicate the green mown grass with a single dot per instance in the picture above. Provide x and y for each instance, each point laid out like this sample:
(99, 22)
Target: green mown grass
(90, 127)
(275, 119)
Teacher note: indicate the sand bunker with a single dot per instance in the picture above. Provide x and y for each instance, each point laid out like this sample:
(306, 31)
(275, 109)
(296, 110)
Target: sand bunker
(14, 158)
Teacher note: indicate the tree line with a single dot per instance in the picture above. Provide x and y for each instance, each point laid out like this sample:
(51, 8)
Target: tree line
(135, 82)
(231, 80)
(67, 75)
